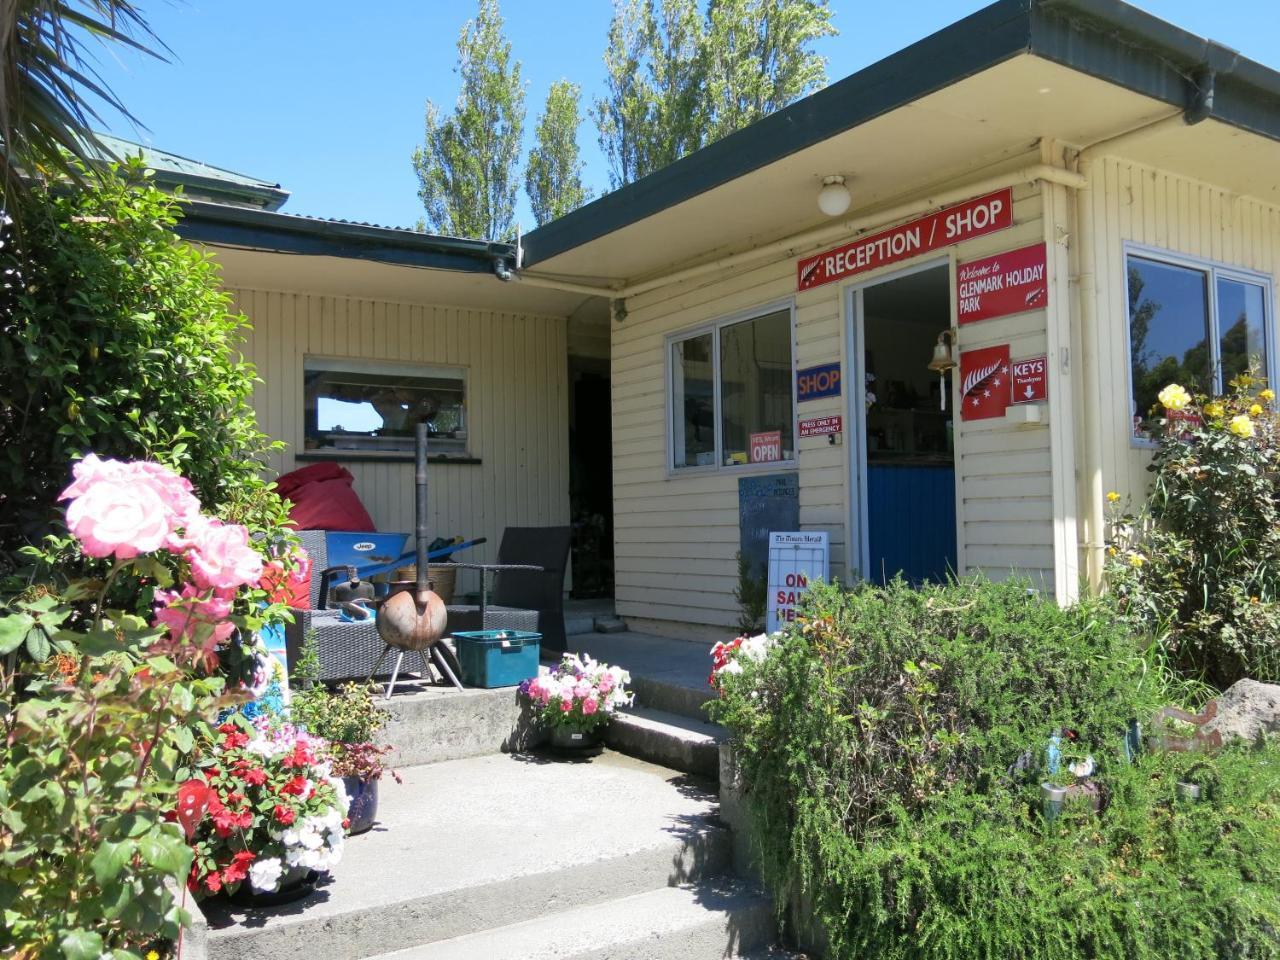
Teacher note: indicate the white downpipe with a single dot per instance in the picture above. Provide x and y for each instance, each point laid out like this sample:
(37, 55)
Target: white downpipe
(799, 242)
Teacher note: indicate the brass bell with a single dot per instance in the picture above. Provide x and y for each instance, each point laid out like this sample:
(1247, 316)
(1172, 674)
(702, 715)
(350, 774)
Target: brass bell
(943, 361)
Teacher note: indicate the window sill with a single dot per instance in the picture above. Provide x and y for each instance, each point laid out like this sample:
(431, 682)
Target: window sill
(737, 469)
(349, 456)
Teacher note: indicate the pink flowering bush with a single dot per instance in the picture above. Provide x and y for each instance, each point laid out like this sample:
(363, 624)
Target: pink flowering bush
(580, 692)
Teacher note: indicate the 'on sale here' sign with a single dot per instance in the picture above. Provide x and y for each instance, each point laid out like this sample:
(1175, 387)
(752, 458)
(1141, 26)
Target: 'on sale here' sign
(795, 560)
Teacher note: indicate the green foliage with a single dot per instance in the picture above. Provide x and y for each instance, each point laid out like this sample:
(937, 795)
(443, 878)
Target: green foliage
(751, 594)
(879, 744)
(1198, 566)
(95, 749)
(678, 80)
(466, 167)
(553, 175)
(117, 339)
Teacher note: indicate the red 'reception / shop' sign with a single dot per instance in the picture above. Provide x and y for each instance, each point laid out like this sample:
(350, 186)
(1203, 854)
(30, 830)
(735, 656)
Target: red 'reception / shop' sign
(1031, 380)
(766, 447)
(1007, 283)
(951, 225)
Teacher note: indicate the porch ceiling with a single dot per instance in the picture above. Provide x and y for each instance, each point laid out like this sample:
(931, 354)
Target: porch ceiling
(967, 130)
(373, 280)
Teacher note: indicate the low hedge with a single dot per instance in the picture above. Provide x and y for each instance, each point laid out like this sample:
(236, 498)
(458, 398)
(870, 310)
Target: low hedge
(891, 749)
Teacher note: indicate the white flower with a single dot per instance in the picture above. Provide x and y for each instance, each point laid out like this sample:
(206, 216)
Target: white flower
(265, 875)
(733, 666)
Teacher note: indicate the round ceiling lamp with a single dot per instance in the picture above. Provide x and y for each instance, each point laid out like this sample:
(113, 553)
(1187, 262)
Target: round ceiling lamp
(833, 198)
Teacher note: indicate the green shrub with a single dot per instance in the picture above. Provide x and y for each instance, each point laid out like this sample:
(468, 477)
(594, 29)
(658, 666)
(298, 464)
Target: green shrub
(879, 743)
(1199, 566)
(118, 339)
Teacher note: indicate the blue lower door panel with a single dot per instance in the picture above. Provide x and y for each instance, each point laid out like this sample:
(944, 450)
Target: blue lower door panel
(912, 522)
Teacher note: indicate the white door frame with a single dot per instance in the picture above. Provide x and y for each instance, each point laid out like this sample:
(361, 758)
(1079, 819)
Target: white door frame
(855, 338)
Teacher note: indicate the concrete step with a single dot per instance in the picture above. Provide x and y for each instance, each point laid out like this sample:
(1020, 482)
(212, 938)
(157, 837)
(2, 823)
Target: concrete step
(464, 846)
(668, 739)
(707, 921)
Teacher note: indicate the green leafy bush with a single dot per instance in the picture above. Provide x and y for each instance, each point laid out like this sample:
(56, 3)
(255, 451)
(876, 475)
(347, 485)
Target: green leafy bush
(890, 746)
(118, 339)
(1198, 566)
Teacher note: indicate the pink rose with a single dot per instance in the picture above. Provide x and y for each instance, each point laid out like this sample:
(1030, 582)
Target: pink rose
(566, 705)
(124, 509)
(590, 705)
(194, 617)
(220, 555)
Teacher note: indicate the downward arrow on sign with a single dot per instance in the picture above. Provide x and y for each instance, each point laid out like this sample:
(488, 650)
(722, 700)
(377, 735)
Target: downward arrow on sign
(1029, 392)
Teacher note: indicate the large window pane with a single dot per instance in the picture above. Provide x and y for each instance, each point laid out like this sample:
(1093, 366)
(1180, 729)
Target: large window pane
(1242, 325)
(1168, 333)
(755, 379)
(372, 407)
(693, 403)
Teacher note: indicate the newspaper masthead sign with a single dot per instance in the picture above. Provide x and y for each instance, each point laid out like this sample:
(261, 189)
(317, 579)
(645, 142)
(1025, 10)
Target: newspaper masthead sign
(795, 560)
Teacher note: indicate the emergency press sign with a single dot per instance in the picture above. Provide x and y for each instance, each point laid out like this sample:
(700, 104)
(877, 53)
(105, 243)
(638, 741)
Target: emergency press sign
(795, 561)
(1005, 284)
(951, 225)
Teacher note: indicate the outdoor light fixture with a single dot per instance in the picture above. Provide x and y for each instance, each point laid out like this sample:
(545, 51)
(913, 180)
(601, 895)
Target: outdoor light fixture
(833, 198)
(943, 360)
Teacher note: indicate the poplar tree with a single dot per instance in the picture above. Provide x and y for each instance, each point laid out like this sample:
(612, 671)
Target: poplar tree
(466, 166)
(553, 176)
(677, 81)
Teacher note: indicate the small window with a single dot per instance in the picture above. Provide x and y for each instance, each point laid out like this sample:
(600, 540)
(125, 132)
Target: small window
(363, 407)
(1199, 326)
(731, 394)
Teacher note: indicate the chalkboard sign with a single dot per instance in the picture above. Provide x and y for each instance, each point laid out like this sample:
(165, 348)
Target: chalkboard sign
(765, 504)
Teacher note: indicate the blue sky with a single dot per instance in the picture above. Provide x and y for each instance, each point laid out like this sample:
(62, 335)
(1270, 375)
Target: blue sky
(328, 98)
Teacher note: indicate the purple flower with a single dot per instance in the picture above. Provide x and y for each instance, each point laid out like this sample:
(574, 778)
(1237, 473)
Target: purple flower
(524, 687)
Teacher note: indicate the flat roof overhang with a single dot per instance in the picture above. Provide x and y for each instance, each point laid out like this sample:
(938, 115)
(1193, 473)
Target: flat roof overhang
(968, 102)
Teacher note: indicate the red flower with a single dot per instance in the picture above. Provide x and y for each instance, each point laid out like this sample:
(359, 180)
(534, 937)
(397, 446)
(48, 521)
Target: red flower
(284, 816)
(255, 777)
(234, 740)
(346, 823)
(297, 786)
(238, 868)
(213, 881)
(300, 757)
(227, 728)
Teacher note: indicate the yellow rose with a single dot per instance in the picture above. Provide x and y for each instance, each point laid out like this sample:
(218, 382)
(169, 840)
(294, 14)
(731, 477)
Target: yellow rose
(1113, 496)
(1241, 426)
(1174, 397)
(1255, 410)
(1267, 395)
(1214, 409)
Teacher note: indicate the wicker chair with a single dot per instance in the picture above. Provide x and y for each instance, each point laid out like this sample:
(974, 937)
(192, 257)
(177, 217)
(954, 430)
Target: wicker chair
(525, 599)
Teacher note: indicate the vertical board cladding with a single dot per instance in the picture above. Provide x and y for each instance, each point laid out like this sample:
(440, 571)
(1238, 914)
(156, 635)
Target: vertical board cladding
(677, 536)
(1132, 203)
(517, 404)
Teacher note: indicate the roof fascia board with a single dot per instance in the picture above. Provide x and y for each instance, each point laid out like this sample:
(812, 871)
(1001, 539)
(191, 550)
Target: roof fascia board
(220, 225)
(976, 43)
(1123, 45)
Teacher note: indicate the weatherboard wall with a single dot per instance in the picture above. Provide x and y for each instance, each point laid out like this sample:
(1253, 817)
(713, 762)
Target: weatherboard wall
(516, 404)
(677, 536)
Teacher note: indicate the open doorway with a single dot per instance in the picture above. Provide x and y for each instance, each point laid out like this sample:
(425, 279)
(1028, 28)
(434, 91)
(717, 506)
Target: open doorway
(905, 460)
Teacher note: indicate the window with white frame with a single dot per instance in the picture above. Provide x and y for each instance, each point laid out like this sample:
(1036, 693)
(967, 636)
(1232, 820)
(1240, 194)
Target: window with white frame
(1199, 325)
(362, 407)
(731, 400)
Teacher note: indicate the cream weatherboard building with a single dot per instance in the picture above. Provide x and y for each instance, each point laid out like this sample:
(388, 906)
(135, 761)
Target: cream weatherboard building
(1071, 201)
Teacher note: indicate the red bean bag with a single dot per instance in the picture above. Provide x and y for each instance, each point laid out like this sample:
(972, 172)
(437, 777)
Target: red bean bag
(324, 499)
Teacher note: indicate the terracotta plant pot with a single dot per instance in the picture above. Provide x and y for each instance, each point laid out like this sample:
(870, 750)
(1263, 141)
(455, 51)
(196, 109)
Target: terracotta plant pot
(363, 809)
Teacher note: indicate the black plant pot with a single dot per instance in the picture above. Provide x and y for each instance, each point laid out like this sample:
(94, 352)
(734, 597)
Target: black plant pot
(573, 741)
(296, 883)
(363, 808)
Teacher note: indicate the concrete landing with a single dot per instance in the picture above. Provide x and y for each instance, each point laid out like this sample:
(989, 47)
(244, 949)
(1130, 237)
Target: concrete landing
(471, 845)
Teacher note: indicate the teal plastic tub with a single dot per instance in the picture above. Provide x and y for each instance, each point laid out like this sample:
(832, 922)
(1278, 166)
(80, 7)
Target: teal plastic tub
(497, 658)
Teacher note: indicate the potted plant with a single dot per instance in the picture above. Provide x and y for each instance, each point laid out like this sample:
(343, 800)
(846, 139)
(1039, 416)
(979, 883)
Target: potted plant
(577, 699)
(264, 814)
(349, 719)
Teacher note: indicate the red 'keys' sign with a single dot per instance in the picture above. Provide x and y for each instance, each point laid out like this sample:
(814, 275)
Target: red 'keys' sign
(1012, 282)
(1031, 380)
(984, 382)
(951, 225)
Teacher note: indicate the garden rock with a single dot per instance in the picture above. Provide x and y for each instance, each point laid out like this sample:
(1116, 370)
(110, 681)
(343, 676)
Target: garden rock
(1248, 710)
